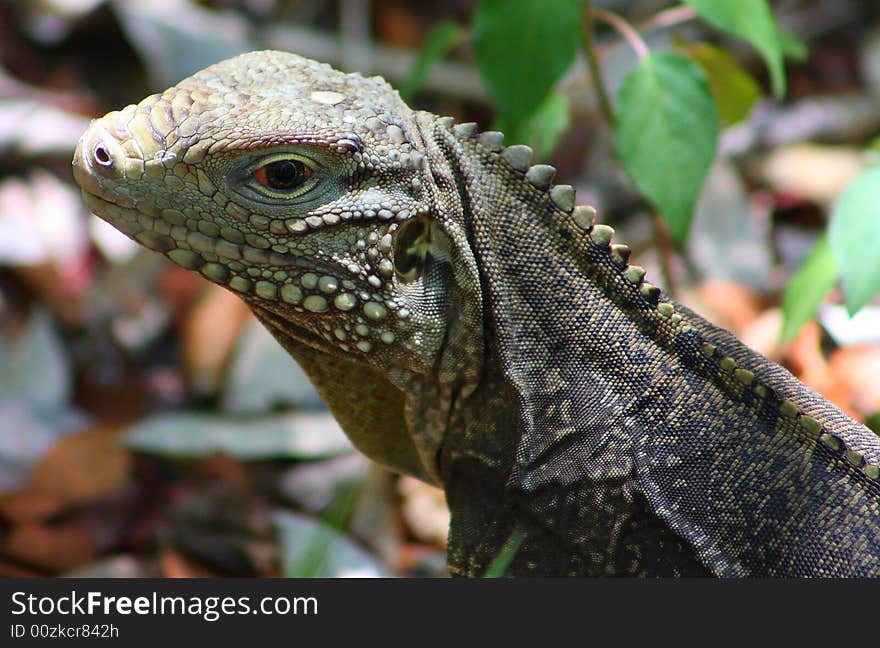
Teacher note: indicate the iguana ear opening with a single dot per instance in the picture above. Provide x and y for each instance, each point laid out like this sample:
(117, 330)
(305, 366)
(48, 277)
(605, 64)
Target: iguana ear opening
(439, 278)
(436, 274)
(411, 245)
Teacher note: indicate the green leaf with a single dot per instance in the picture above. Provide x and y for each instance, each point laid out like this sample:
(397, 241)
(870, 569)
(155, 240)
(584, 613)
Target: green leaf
(34, 365)
(502, 561)
(666, 134)
(792, 47)
(262, 377)
(523, 47)
(543, 129)
(316, 552)
(442, 38)
(734, 89)
(807, 288)
(752, 21)
(339, 556)
(872, 421)
(300, 435)
(854, 232)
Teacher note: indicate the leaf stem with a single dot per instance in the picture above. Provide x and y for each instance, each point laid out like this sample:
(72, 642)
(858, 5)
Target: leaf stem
(502, 561)
(626, 30)
(669, 17)
(589, 46)
(631, 35)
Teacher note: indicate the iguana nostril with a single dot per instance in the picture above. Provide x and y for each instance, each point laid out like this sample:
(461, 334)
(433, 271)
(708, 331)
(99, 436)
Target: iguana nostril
(102, 156)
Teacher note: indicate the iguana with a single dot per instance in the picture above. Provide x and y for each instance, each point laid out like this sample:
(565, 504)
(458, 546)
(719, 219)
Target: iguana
(466, 322)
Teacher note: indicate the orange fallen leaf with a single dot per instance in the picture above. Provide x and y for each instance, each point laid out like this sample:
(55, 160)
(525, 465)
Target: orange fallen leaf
(51, 547)
(728, 304)
(806, 361)
(78, 468)
(856, 370)
(211, 329)
(174, 564)
(30, 505)
(85, 466)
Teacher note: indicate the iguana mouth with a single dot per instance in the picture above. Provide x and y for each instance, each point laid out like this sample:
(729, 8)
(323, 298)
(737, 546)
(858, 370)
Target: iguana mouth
(130, 220)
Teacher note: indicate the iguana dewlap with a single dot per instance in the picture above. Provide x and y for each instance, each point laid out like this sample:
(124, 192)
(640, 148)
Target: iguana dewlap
(467, 323)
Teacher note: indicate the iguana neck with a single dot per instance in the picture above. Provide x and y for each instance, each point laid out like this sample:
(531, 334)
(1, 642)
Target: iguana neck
(546, 289)
(541, 307)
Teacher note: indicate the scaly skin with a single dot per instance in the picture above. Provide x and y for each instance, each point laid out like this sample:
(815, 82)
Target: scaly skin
(468, 324)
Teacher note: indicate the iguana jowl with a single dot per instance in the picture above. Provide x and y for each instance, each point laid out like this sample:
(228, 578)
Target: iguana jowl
(467, 323)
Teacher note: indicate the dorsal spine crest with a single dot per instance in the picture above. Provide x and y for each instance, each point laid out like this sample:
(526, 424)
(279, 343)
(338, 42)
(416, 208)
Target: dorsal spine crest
(539, 177)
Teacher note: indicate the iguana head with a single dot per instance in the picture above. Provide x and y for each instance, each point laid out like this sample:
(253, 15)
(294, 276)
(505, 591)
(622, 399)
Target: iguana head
(302, 189)
(298, 187)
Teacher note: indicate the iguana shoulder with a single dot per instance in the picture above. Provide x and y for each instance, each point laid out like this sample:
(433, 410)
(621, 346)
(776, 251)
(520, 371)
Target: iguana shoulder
(467, 322)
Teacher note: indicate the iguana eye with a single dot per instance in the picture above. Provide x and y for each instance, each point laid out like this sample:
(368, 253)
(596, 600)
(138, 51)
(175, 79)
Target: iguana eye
(283, 175)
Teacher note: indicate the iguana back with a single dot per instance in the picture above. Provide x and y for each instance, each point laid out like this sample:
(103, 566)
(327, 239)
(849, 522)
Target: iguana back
(468, 323)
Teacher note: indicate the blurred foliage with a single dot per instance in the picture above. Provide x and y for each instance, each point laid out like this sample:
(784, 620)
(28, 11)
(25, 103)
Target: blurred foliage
(544, 35)
(855, 238)
(808, 287)
(442, 38)
(735, 91)
(753, 21)
(151, 427)
(665, 100)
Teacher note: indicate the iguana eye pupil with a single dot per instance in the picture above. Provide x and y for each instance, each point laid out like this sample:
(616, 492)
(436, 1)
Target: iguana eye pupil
(283, 174)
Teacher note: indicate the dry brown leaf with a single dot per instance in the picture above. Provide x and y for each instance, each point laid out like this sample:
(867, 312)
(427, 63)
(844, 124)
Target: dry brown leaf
(78, 468)
(85, 466)
(175, 565)
(63, 292)
(812, 172)
(49, 546)
(211, 329)
(855, 370)
(30, 505)
(726, 304)
(398, 25)
(9, 569)
(424, 508)
(219, 467)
